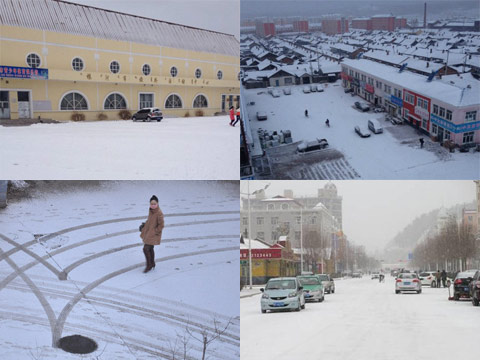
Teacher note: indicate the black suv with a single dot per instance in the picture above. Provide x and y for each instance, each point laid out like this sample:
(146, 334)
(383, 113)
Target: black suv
(148, 114)
(461, 285)
(475, 289)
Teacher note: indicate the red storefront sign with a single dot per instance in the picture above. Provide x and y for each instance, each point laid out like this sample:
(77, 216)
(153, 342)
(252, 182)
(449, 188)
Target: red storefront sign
(369, 88)
(345, 76)
(261, 254)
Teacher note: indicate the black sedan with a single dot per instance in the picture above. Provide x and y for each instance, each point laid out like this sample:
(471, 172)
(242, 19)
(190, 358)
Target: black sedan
(362, 106)
(461, 285)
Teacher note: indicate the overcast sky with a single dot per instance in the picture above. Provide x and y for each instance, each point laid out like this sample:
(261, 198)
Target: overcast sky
(375, 211)
(308, 8)
(217, 15)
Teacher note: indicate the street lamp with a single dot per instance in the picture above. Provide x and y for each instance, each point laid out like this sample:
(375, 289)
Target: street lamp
(250, 229)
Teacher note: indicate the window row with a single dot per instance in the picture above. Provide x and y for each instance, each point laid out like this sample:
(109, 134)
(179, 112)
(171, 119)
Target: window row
(34, 61)
(442, 112)
(74, 101)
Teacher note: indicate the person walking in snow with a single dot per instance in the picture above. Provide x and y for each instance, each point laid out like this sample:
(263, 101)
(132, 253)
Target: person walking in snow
(232, 115)
(327, 122)
(444, 278)
(438, 277)
(306, 113)
(151, 232)
(238, 117)
(421, 143)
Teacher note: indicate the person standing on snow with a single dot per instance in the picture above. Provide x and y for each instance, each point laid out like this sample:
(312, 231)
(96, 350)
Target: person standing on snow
(438, 277)
(151, 232)
(444, 278)
(232, 115)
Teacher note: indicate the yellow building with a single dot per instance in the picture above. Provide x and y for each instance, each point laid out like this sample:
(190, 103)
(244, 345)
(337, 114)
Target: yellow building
(58, 58)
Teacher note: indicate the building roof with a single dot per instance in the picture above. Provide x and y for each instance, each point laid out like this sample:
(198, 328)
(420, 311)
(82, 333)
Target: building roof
(449, 93)
(255, 244)
(65, 17)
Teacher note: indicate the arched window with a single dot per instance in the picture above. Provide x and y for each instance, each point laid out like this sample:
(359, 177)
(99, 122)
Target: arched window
(115, 67)
(74, 101)
(284, 206)
(173, 71)
(219, 74)
(198, 73)
(33, 60)
(77, 64)
(146, 69)
(115, 101)
(200, 102)
(173, 102)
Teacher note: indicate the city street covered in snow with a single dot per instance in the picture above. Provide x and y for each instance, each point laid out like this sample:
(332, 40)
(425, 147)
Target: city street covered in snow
(363, 320)
(71, 263)
(203, 148)
(394, 154)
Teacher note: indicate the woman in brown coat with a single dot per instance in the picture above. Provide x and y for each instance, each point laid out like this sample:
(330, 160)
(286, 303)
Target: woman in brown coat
(151, 232)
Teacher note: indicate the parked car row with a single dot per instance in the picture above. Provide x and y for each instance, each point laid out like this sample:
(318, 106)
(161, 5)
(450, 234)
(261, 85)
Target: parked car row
(291, 293)
(373, 125)
(428, 278)
(317, 144)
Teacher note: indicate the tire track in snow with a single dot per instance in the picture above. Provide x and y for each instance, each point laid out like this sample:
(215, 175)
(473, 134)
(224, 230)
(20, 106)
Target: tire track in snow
(57, 332)
(111, 221)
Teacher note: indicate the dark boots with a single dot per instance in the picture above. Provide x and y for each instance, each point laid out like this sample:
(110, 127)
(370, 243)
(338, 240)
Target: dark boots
(149, 257)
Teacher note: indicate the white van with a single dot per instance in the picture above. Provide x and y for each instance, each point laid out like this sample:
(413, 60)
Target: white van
(375, 126)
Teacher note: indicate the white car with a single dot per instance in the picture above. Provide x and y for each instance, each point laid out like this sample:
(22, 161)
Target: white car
(276, 93)
(306, 89)
(261, 115)
(428, 278)
(408, 282)
(287, 91)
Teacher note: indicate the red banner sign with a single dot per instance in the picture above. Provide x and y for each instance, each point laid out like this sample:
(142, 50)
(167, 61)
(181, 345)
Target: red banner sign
(369, 88)
(261, 254)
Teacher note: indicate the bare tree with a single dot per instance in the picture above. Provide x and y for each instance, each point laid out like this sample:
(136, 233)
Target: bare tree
(181, 347)
(206, 336)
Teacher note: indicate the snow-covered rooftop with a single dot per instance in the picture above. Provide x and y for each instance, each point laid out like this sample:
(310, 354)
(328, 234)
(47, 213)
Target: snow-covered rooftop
(448, 93)
(71, 18)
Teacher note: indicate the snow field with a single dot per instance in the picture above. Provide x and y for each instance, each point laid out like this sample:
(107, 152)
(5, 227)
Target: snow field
(106, 296)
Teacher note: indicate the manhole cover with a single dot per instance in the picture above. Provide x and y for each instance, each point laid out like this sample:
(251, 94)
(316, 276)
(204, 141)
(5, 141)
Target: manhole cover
(77, 344)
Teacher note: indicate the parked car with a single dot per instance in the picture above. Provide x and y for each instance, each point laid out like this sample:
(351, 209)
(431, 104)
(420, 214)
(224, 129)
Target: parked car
(306, 89)
(375, 275)
(362, 106)
(287, 91)
(313, 88)
(375, 126)
(309, 146)
(475, 289)
(312, 288)
(282, 294)
(356, 275)
(261, 115)
(319, 88)
(276, 93)
(408, 282)
(461, 285)
(396, 121)
(362, 132)
(347, 90)
(148, 114)
(327, 282)
(428, 278)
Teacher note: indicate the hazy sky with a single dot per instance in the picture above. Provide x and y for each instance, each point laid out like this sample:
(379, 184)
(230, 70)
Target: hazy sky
(435, 8)
(375, 211)
(217, 15)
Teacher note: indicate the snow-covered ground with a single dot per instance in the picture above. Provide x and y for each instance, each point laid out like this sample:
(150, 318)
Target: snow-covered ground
(363, 320)
(176, 148)
(89, 233)
(395, 154)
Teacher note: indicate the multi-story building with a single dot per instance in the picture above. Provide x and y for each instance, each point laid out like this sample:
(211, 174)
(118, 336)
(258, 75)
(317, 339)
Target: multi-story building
(362, 23)
(283, 216)
(264, 29)
(441, 109)
(300, 26)
(60, 58)
(334, 26)
(383, 22)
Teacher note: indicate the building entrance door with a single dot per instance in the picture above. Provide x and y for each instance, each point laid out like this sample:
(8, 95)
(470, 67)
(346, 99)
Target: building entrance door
(4, 105)
(23, 104)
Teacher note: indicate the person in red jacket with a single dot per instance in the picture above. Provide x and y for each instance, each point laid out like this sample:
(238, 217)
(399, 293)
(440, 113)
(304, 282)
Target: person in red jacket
(232, 115)
(238, 117)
